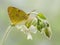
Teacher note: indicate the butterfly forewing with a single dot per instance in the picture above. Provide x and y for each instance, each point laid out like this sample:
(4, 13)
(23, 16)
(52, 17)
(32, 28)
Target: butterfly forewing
(16, 15)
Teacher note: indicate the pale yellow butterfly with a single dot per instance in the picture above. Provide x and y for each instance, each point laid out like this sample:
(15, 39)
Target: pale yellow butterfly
(16, 15)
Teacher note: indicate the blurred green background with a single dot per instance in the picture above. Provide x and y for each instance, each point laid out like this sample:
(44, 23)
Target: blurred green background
(50, 8)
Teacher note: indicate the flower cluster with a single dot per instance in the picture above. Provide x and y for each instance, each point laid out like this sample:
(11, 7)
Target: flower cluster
(34, 24)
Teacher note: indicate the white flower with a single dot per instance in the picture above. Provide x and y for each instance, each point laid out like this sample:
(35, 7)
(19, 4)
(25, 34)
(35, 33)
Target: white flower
(27, 31)
(33, 29)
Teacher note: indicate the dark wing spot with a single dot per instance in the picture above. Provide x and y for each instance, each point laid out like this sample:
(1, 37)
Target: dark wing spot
(18, 10)
(17, 15)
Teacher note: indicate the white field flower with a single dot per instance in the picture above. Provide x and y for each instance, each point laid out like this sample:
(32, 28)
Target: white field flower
(27, 31)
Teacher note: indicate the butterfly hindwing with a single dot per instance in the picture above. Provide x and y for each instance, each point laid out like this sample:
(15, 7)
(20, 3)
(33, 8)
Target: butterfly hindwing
(16, 15)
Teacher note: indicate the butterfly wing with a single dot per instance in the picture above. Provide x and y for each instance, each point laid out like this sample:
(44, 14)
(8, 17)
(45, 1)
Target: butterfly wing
(16, 15)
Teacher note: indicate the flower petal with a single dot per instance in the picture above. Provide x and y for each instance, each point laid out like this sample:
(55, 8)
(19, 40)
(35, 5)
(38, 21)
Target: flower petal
(33, 29)
(29, 36)
(18, 27)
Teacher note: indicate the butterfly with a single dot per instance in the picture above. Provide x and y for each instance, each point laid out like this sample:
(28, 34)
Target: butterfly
(17, 15)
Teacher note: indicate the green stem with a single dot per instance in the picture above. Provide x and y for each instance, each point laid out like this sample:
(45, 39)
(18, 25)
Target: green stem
(5, 35)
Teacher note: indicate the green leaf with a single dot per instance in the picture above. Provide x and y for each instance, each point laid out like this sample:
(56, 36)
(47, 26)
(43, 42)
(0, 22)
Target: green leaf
(28, 23)
(40, 15)
(47, 32)
(40, 25)
(31, 22)
(34, 22)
